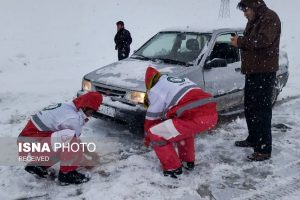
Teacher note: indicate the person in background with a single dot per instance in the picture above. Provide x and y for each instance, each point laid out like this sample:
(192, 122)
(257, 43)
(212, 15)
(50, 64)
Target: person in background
(177, 110)
(122, 40)
(260, 60)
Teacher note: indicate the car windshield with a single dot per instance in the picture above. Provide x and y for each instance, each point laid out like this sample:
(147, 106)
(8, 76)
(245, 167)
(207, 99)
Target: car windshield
(173, 47)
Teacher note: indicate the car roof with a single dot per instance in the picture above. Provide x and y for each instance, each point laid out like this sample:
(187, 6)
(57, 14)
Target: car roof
(202, 30)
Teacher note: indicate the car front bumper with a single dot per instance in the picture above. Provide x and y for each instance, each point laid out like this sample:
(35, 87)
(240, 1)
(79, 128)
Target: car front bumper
(119, 110)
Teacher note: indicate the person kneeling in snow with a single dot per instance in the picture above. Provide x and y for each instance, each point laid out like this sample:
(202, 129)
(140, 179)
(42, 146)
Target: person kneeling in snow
(177, 110)
(61, 123)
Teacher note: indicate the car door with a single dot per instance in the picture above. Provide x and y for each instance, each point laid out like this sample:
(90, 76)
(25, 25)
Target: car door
(224, 79)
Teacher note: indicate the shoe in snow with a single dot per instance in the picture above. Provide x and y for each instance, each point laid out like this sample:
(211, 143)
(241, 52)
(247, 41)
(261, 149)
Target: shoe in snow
(72, 177)
(173, 173)
(259, 156)
(40, 171)
(243, 143)
(188, 165)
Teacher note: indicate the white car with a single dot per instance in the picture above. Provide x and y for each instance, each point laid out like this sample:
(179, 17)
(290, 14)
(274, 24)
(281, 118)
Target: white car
(205, 57)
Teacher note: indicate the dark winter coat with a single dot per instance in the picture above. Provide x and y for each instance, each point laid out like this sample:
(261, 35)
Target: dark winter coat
(123, 40)
(260, 43)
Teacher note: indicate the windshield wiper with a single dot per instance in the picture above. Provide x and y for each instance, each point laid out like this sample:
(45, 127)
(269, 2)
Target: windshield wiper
(138, 56)
(167, 60)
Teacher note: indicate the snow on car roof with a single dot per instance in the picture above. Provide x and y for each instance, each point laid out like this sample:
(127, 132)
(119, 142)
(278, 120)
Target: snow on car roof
(200, 29)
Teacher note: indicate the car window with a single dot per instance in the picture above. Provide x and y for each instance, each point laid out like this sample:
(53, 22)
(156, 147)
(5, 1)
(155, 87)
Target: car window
(191, 47)
(240, 34)
(223, 49)
(160, 45)
(186, 44)
(181, 47)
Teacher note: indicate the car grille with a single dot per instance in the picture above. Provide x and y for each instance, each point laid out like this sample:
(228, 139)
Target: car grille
(110, 91)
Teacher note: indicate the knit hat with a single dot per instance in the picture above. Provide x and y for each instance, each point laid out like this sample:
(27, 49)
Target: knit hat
(91, 100)
(243, 5)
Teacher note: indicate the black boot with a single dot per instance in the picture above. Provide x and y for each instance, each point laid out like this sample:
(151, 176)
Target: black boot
(188, 165)
(173, 173)
(40, 171)
(259, 156)
(72, 177)
(244, 143)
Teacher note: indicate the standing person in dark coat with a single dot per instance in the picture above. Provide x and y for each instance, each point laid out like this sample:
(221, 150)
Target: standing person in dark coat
(122, 40)
(260, 61)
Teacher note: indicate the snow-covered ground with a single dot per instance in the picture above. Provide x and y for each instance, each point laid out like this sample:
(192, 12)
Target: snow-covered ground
(47, 46)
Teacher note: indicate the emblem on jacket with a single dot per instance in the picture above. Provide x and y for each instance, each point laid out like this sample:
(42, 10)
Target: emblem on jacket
(175, 79)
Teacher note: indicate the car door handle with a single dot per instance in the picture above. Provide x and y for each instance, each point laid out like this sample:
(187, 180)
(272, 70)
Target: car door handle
(237, 69)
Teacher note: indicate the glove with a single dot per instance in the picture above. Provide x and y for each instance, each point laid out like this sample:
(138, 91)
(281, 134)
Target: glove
(95, 157)
(90, 160)
(147, 141)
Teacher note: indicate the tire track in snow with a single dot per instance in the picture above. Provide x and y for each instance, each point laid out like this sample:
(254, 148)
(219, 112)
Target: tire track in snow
(277, 190)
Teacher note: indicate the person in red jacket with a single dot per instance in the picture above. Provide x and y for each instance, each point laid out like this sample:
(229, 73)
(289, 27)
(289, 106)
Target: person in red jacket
(177, 110)
(61, 123)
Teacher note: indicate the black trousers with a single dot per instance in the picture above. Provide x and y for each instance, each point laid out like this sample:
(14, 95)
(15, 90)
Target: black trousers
(258, 109)
(123, 53)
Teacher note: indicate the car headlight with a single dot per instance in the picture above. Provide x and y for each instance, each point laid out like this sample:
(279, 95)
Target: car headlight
(136, 97)
(86, 85)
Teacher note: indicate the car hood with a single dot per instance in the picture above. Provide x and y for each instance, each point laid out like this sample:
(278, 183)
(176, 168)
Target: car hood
(130, 73)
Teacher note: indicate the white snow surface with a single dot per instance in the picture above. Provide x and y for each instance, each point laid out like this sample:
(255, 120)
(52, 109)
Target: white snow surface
(47, 46)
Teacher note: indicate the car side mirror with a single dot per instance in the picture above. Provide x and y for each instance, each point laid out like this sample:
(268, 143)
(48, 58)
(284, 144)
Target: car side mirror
(216, 62)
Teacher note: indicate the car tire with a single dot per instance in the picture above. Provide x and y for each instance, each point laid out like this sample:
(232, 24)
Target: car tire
(136, 129)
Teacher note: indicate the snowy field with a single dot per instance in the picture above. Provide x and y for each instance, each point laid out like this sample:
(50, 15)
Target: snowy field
(47, 46)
